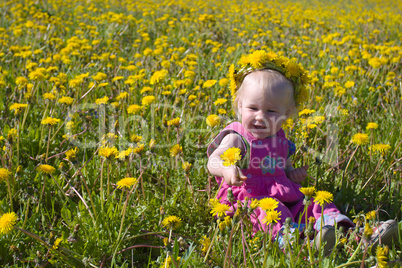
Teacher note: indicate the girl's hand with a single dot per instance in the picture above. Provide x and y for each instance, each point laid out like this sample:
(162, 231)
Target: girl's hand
(297, 174)
(233, 176)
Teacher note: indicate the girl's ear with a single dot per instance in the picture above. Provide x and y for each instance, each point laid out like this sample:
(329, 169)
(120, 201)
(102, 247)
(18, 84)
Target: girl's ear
(239, 106)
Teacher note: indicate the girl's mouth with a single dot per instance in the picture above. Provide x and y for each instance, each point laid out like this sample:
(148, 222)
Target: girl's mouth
(258, 127)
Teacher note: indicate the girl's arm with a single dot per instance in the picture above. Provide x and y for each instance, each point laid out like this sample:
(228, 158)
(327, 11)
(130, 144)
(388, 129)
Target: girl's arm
(295, 174)
(231, 174)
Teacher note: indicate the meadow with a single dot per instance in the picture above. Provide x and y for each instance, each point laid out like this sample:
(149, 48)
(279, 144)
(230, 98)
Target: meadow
(107, 108)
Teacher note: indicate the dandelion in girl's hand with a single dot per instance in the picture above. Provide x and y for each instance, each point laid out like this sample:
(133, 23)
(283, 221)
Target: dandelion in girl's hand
(308, 191)
(231, 156)
(7, 222)
(126, 182)
(4, 174)
(218, 209)
(171, 222)
(48, 169)
(268, 203)
(272, 216)
(360, 139)
(323, 197)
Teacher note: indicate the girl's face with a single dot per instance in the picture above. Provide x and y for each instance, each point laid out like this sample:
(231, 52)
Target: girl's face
(262, 113)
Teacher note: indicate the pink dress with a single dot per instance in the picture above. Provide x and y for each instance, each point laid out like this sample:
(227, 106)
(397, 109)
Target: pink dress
(264, 168)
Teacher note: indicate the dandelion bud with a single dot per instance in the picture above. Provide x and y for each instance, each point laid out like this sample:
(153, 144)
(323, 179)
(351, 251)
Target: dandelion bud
(230, 196)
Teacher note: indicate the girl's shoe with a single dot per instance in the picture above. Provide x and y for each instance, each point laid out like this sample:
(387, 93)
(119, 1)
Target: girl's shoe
(385, 234)
(328, 239)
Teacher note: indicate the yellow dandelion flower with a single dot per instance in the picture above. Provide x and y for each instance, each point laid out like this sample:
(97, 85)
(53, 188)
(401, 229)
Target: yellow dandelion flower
(381, 256)
(368, 231)
(175, 150)
(99, 76)
(4, 174)
(311, 220)
(117, 78)
(140, 147)
(71, 154)
(220, 101)
(221, 111)
(16, 107)
(380, 148)
(371, 125)
(103, 100)
(231, 156)
(173, 222)
(360, 139)
(254, 203)
(219, 209)
(107, 152)
(126, 182)
(50, 121)
(135, 138)
(308, 191)
(306, 112)
(272, 216)
(57, 243)
(158, 76)
(12, 134)
(121, 96)
(205, 243)
(223, 82)
(48, 169)
(147, 100)
(371, 215)
(375, 63)
(293, 69)
(349, 84)
(209, 83)
(213, 120)
(21, 81)
(174, 122)
(323, 197)
(66, 100)
(145, 89)
(186, 166)
(268, 203)
(7, 222)
(49, 96)
(134, 109)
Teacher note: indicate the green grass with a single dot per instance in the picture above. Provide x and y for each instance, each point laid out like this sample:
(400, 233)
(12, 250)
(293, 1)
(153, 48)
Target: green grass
(100, 225)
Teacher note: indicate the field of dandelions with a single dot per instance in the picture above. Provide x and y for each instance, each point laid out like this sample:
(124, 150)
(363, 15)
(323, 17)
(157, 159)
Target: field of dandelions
(107, 108)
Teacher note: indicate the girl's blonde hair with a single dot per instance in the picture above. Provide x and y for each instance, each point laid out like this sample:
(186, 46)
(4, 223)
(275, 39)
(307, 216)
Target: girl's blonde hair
(269, 80)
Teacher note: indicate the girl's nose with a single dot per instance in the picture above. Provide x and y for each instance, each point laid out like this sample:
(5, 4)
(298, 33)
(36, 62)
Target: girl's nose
(259, 116)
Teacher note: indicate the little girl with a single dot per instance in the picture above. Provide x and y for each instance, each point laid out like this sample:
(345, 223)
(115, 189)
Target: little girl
(269, 87)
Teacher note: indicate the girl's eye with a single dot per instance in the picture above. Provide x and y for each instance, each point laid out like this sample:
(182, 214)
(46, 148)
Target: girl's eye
(253, 108)
(271, 111)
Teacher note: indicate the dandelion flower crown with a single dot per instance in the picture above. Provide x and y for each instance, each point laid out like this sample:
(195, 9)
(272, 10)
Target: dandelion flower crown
(260, 60)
